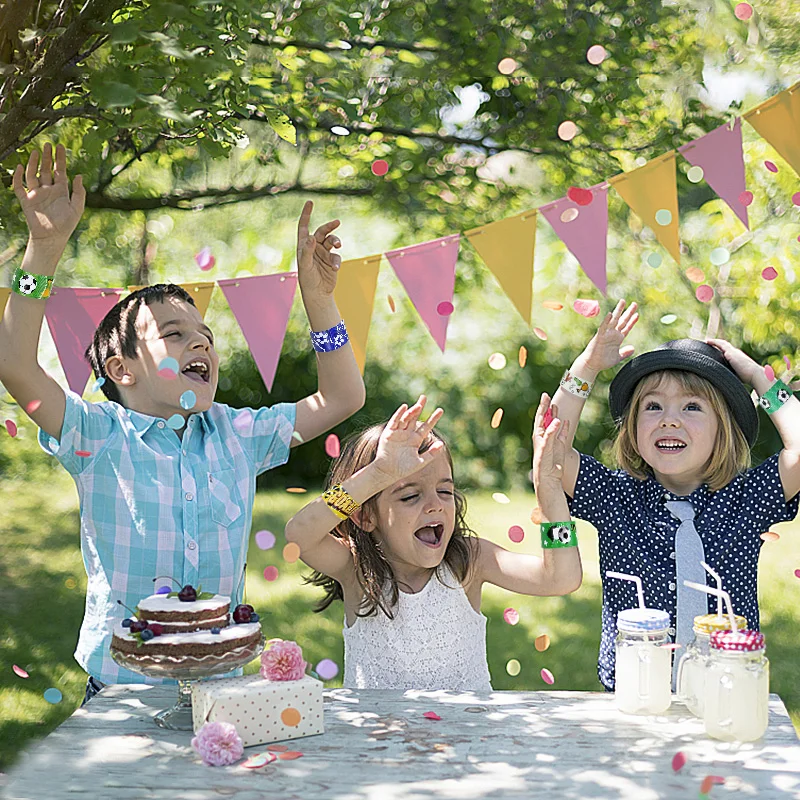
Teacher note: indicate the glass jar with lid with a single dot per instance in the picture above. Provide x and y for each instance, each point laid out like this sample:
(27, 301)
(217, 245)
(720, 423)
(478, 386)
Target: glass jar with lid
(692, 666)
(736, 686)
(643, 664)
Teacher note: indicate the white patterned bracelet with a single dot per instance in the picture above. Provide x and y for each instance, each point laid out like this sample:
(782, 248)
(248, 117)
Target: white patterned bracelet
(574, 385)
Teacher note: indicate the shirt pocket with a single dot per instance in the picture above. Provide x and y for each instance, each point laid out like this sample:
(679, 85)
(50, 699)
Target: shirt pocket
(226, 504)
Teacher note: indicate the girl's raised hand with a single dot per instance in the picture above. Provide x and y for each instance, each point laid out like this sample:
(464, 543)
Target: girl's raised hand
(742, 364)
(45, 199)
(549, 445)
(316, 264)
(398, 447)
(604, 351)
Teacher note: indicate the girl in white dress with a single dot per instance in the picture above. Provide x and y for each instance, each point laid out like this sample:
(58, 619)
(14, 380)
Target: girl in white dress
(389, 539)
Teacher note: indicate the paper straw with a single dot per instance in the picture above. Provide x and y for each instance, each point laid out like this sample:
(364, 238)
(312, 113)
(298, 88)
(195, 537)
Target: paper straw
(719, 584)
(635, 578)
(719, 593)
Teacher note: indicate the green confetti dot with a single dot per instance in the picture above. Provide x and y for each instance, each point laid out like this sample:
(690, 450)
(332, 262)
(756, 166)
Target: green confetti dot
(654, 260)
(719, 256)
(663, 216)
(668, 319)
(695, 174)
(513, 667)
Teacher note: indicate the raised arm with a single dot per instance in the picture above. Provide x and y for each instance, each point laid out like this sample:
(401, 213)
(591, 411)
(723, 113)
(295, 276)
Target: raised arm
(52, 215)
(340, 390)
(602, 352)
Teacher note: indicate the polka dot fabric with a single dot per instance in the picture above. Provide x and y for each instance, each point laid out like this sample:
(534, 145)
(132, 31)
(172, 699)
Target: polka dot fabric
(636, 535)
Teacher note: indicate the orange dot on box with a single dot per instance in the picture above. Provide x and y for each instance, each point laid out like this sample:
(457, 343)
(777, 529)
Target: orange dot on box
(291, 552)
(271, 573)
(516, 533)
(291, 717)
(380, 167)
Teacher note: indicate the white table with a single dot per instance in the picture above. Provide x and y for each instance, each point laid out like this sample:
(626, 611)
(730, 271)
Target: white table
(378, 746)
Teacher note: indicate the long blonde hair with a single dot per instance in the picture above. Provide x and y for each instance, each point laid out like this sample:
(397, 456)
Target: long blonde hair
(373, 571)
(731, 453)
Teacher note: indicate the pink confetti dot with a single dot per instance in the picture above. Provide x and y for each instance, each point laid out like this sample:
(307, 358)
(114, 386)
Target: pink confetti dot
(769, 274)
(511, 616)
(678, 760)
(265, 540)
(567, 131)
(569, 215)
(797, 573)
(704, 293)
(586, 308)
(548, 418)
(788, 363)
(332, 445)
(743, 11)
(506, 66)
(547, 677)
(327, 669)
(205, 260)
(380, 167)
(516, 533)
(796, 198)
(596, 54)
(33, 405)
(769, 372)
(167, 374)
(11, 427)
(581, 197)
(540, 334)
(82, 453)
(445, 309)
(771, 166)
(19, 671)
(271, 573)
(431, 715)
(746, 198)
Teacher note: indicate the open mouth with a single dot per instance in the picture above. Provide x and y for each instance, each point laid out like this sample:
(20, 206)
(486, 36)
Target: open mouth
(197, 371)
(670, 445)
(431, 535)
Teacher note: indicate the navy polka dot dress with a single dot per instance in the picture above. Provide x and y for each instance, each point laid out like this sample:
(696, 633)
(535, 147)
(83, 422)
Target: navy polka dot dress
(636, 535)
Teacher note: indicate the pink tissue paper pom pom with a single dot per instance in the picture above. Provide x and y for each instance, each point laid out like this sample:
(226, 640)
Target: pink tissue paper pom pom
(218, 744)
(282, 661)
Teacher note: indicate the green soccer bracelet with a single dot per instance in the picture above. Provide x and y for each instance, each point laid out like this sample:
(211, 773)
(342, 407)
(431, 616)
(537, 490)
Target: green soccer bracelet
(776, 396)
(559, 534)
(30, 285)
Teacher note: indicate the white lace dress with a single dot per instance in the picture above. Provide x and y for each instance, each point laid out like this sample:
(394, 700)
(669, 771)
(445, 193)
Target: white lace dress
(435, 641)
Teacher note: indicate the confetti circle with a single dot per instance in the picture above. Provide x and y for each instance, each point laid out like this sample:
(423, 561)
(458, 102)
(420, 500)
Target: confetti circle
(296, 490)
(340, 130)
(291, 552)
(497, 361)
(327, 669)
(704, 293)
(270, 573)
(176, 422)
(522, 356)
(332, 445)
(771, 166)
(390, 300)
(188, 400)
(290, 755)
(796, 198)
(663, 216)
(431, 715)
(97, 384)
(547, 677)
(70, 583)
(797, 573)
(19, 671)
(82, 453)
(291, 717)
(33, 406)
(53, 696)
(506, 66)
(536, 515)
(569, 214)
(746, 198)
(552, 305)
(540, 334)
(788, 363)
(695, 174)
(695, 275)
(586, 308)
(769, 373)
(743, 11)
(770, 536)
(513, 667)
(11, 427)
(567, 131)
(769, 274)
(654, 260)
(497, 418)
(720, 256)
(596, 54)
(169, 365)
(204, 259)
(542, 642)
(380, 167)
(516, 533)
(511, 616)
(445, 308)
(298, 436)
(265, 540)
(259, 760)
(501, 498)
(581, 197)
(678, 760)
(668, 319)
(163, 590)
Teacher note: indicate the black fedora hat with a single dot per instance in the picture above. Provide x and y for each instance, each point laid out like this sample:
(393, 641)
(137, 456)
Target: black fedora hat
(689, 355)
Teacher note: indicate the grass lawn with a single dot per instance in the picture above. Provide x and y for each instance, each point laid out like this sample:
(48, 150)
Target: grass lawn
(42, 586)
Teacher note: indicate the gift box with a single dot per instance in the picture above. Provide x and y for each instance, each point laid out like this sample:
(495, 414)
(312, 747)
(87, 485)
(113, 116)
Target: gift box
(263, 711)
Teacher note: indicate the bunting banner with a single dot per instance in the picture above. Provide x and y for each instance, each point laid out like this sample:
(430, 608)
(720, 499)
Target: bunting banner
(355, 298)
(200, 292)
(4, 293)
(73, 316)
(428, 274)
(261, 305)
(507, 247)
(778, 121)
(581, 222)
(719, 154)
(651, 192)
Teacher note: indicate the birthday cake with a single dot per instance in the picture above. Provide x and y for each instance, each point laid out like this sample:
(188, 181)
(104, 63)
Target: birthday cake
(186, 624)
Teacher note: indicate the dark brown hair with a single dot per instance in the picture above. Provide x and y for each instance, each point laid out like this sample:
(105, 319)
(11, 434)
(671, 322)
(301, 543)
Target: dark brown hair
(373, 571)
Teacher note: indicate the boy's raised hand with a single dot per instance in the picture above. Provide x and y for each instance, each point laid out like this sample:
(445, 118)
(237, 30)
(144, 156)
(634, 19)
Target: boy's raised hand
(51, 213)
(549, 445)
(398, 447)
(316, 264)
(604, 351)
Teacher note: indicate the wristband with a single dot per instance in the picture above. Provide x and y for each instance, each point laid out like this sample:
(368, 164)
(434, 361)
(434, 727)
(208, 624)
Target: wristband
(340, 502)
(30, 285)
(777, 395)
(559, 534)
(574, 385)
(331, 339)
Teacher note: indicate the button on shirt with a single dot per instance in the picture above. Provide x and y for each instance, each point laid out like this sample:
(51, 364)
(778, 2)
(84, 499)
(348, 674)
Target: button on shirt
(636, 534)
(155, 505)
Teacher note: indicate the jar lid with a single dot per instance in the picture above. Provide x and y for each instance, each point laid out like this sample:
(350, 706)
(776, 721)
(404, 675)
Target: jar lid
(742, 641)
(642, 619)
(707, 623)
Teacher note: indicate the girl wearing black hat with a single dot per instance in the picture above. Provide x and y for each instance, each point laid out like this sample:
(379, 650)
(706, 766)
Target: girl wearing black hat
(685, 492)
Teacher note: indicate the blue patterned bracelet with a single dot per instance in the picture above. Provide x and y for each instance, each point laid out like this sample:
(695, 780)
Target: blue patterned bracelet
(331, 339)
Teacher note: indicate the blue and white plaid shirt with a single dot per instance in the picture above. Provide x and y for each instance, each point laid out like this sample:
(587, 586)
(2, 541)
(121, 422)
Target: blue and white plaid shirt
(153, 504)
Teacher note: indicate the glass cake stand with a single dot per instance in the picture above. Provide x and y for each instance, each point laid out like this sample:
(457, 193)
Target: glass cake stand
(185, 669)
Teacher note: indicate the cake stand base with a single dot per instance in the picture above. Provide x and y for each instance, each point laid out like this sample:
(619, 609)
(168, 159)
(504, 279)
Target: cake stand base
(179, 716)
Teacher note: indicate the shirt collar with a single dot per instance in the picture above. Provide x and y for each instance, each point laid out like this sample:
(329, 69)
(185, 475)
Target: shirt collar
(657, 495)
(143, 422)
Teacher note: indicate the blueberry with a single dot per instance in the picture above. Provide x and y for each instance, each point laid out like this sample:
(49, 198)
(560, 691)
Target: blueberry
(147, 635)
(126, 623)
(215, 630)
(254, 617)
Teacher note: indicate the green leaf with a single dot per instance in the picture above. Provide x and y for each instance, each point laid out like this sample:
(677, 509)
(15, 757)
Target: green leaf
(205, 595)
(282, 125)
(119, 95)
(126, 32)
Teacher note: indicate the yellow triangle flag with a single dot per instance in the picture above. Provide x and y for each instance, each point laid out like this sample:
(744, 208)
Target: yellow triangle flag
(652, 194)
(200, 291)
(778, 121)
(355, 296)
(4, 293)
(506, 247)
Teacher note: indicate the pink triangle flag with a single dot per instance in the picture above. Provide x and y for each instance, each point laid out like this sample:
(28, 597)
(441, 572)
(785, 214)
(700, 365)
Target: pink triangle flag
(73, 316)
(261, 305)
(428, 274)
(719, 154)
(584, 229)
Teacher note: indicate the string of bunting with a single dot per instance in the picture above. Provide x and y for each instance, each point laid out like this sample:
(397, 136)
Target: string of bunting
(261, 303)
